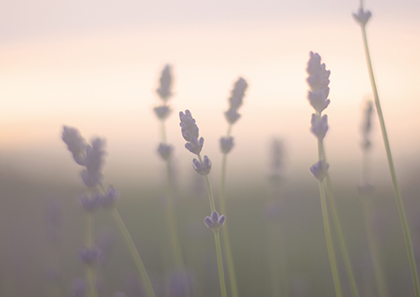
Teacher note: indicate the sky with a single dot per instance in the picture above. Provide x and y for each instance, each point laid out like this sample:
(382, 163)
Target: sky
(95, 65)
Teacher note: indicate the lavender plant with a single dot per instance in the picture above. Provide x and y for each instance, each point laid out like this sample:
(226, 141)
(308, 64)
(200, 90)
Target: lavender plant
(365, 191)
(91, 157)
(194, 144)
(165, 151)
(318, 82)
(362, 17)
(226, 145)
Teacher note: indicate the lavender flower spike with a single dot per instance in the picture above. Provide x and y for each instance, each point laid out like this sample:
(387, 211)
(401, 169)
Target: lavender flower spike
(226, 144)
(214, 221)
(318, 83)
(89, 256)
(362, 17)
(162, 112)
(92, 176)
(76, 144)
(202, 168)
(319, 126)
(165, 151)
(238, 93)
(189, 129)
(164, 90)
(318, 170)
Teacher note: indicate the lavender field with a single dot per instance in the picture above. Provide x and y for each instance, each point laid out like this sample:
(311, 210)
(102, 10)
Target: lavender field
(186, 150)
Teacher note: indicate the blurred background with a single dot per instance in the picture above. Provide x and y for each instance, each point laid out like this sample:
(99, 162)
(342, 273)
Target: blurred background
(95, 65)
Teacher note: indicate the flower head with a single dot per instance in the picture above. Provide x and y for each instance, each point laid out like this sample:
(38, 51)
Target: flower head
(202, 168)
(189, 129)
(367, 126)
(90, 202)
(362, 17)
(319, 125)
(165, 151)
(214, 221)
(164, 90)
(108, 199)
(94, 162)
(232, 116)
(89, 255)
(195, 145)
(226, 144)
(318, 170)
(238, 93)
(318, 82)
(162, 111)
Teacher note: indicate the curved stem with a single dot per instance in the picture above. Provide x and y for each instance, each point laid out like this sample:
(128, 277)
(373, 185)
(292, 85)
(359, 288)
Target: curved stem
(134, 253)
(406, 232)
(209, 191)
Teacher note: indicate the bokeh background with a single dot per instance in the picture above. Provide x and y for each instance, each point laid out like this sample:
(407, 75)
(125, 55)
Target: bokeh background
(95, 65)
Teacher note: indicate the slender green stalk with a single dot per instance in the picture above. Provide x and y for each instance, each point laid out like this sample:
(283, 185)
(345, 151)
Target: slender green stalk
(398, 199)
(225, 232)
(134, 253)
(337, 226)
(331, 254)
(209, 191)
(90, 270)
(220, 263)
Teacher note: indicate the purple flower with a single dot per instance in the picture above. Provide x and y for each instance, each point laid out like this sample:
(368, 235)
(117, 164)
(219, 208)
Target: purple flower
(238, 93)
(202, 168)
(90, 203)
(362, 17)
(232, 116)
(214, 221)
(318, 82)
(165, 151)
(75, 142)
(367, 126)
(318, 170)
(319, 126)
(89, 255)
(162, 112)
(226, 144)
(164, 90)
(189, 129)
(95, 152)
(195, 145)
(276, 162)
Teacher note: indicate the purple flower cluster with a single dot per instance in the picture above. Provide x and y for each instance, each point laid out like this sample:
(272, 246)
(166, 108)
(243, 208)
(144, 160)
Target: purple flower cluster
(362, 17)
(92, 202)
(189, 130)
(164, 90)
(318, 81)
(215, 221)
(235, 100)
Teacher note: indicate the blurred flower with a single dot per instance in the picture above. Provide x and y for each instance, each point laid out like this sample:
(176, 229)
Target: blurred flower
(90, 202)
(195, 145)
(165, 151)
(214, 221)
(78, 288)
(367, 126)
(238, 93)
(164, 90)
(226, 144)
(276, 160)
(318, 170)
(76, 144)
(162, 112)
(362, 17)
(89, 255)
(108, 199)
(189, 129)
(202, 168)
(232, 116)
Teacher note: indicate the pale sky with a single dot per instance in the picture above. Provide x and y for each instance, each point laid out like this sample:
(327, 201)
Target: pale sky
(95, 65)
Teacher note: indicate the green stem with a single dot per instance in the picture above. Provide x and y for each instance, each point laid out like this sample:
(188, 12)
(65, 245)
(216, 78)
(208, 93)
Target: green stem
(398, 199)
(220, 263)
(163, 131)
(337, 226)
(328, 238)
(210, 192)
(225, 232)
(90, 271)
(134, 253)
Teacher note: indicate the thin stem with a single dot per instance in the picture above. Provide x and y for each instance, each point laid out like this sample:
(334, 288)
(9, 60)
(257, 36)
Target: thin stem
(163, 131)
(328, 239)
(210, 192)
(225, 233)
(398, 199)
(220, 263)
(134, 253)
(338, 229)
(90, 271)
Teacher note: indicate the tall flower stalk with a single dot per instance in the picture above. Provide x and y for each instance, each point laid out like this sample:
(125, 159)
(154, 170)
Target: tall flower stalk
(92, 158)
(202, 166)
(318, 82)
(226, 145)
(165, 151)
(365, 191)
(362, 17)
